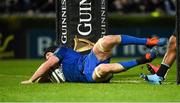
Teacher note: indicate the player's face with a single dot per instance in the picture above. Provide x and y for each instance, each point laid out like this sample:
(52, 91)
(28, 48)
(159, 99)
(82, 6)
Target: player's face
(48, 54)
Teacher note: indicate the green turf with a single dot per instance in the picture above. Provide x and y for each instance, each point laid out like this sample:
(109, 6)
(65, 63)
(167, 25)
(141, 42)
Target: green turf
(124, 87)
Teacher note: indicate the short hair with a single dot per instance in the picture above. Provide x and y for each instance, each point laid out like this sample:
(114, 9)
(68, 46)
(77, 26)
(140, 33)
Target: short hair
(50, 49)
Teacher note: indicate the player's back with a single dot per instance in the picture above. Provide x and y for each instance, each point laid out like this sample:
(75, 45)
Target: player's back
(72, 64)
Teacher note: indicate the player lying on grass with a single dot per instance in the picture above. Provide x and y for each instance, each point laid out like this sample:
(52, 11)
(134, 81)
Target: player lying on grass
(168, 60)
(95, 66)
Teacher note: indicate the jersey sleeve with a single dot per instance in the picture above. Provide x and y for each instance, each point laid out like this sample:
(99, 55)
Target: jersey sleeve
(60, 53)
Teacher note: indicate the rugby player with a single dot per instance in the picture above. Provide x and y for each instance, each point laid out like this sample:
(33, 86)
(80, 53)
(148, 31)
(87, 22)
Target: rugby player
(95, 67)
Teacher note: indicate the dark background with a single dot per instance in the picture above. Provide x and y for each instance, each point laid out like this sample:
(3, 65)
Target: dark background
(32, 24)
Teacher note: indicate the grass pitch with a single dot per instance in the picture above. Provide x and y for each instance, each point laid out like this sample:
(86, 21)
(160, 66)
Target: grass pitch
(124, 87)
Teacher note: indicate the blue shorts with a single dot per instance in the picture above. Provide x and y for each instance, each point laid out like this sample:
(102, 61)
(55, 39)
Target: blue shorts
(91, 62)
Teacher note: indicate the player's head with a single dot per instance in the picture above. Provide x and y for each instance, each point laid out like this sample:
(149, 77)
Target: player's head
(49, 51)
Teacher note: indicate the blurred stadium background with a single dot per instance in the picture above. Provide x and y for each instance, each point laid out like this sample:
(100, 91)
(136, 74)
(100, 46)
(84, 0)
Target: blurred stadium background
(27, 27)
(122, 7)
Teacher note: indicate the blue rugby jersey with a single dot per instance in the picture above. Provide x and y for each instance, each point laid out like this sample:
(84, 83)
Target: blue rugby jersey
(72, 64)
(77, 67)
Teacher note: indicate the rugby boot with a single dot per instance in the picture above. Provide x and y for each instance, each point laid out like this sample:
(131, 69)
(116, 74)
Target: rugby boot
(152, 79)
(156, 41)
(151, 68)
(152, 54)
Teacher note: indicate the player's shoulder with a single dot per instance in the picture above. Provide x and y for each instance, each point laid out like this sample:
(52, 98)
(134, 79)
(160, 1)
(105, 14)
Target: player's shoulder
(63, 50)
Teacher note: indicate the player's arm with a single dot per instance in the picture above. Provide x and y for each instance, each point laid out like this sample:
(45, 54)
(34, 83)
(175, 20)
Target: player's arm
(51, 62)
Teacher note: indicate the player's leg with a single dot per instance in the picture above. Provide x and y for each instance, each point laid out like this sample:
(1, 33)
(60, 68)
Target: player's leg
(169, 57)
(103, 47)
(107, 42)
(168, 60)
(103, 71)
(126, 39)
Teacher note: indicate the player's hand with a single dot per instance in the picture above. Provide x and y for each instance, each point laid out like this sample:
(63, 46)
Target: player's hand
(27, 82)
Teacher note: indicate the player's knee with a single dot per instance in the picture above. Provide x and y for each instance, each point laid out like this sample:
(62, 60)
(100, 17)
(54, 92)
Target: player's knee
(110, 39)
(102, 73)
(106, 43)
(172, 43)
(104, 69)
